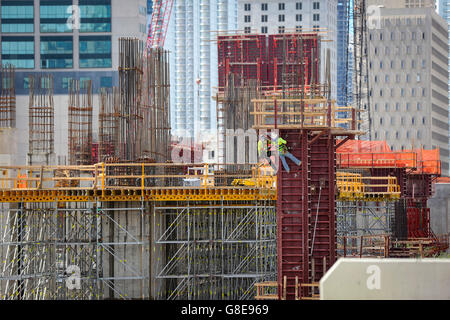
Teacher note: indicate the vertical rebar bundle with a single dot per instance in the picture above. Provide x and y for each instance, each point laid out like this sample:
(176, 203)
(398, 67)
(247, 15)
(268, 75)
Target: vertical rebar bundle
(41, 115)
(216, 251)
(130, 82)
(108, 123)
(80, 122)
(141, 124)
(156, 106)
(7, 97)
(234, 112)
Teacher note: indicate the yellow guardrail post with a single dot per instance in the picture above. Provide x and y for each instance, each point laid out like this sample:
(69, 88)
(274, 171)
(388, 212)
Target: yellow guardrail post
(142, 180)
(103, 179)
(206, 175)
(94, 186)
(15, 180)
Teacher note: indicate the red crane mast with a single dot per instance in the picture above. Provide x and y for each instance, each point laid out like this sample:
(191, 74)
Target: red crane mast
(159, 23)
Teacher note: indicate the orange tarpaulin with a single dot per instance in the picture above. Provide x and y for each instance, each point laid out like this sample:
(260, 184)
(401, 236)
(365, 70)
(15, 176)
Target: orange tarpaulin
(442, 180)
(427, 161)
(357, 153)
(360, 146)
(21, 183)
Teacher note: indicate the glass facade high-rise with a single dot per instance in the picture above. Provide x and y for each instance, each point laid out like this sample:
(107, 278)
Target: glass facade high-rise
(344, 91)
(18, 51)
(193, 27)
(149, 14)
(95, 52)
(56, 52)
(95, 15)
(149, 7)
(69, 39)
(46, 35)
(54, 15)
(17, 16)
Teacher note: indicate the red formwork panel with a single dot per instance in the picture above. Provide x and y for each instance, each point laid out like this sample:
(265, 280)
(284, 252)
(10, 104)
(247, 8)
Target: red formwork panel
(418, 222)
(322, 204)
(293, 54)
(305, 195)
(293, 215)
(245, 55)
(418, 186)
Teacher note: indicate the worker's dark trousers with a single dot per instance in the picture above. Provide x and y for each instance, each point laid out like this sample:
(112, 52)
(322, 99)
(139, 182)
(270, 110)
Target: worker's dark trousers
(290, 156)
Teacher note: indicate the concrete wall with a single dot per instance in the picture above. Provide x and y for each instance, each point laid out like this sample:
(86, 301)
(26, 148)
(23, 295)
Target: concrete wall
(439, 209)
(387, 279)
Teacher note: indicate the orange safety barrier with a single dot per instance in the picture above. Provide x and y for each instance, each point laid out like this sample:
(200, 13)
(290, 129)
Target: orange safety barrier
(21, 181)
(427, 161)
(357, 153)
(442, 180)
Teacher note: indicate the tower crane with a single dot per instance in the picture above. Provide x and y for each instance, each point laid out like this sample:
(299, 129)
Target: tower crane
(159, 23)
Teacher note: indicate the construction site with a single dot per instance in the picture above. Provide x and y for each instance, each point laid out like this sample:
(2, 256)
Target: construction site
(123, 220)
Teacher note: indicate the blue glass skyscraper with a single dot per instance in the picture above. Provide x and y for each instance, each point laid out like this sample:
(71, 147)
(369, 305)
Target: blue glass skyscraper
(344, 82)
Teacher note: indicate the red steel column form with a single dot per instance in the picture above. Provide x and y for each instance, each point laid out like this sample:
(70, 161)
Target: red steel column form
(305, 210)
(322, 204)
(293, 215)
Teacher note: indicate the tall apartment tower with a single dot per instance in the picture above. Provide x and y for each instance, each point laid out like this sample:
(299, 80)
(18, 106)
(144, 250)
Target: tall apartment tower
(444, 12)
(193, 28)
(408, 68)
(36, 37)
(284, 16)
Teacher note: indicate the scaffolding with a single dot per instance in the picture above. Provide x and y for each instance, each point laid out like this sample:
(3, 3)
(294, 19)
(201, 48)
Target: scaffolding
(214, 251)
(360, 218)
(80, 122)
(73, 251)
(135, 236)
(7, 97)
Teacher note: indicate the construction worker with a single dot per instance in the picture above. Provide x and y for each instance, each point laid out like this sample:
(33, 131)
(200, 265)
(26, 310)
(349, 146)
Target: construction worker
(283, 151)
(264, 150)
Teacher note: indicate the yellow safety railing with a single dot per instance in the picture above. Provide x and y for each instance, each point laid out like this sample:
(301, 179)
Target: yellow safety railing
(262, 176)
(354, 187)
(135, 176)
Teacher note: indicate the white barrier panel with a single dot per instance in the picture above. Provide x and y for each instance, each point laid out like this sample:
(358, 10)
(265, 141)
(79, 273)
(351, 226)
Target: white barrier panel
(387, 279)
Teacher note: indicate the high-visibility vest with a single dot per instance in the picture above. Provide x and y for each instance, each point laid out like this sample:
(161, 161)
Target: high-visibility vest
(281, 145)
